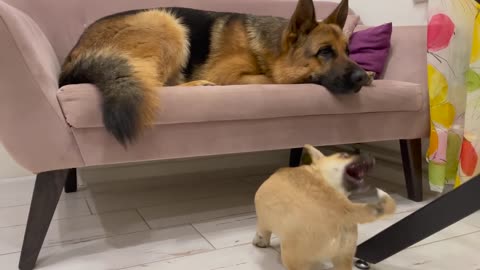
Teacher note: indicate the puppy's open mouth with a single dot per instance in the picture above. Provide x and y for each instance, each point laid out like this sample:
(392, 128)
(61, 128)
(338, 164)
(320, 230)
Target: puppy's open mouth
(356, 171)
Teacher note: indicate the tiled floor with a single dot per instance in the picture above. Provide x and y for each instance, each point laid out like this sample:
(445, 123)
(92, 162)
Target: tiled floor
(200, 224)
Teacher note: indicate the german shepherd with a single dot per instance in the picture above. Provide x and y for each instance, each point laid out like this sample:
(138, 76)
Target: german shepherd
(308, 209)
(129, 54)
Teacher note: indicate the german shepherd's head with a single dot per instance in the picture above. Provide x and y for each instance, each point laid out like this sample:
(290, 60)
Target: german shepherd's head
(317, 52)
(344, 172)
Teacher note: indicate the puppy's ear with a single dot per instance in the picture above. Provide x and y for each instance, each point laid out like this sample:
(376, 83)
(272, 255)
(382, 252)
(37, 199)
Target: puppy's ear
(311, 154)
(303, 20)
(339, 15)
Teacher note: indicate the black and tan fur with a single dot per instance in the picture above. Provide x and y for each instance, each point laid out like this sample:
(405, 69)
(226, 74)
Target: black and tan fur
(128, 55)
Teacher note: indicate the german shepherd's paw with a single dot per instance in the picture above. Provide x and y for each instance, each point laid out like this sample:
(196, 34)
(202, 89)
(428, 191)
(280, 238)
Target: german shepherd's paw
(199, 83)
(260, 241)
(371, 76)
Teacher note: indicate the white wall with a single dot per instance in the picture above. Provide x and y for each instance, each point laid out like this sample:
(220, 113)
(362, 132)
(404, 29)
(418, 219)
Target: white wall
(400, 12)
(8, 167)
(372, 12)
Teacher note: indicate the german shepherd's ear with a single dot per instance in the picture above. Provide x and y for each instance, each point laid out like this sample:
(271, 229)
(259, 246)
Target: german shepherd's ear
(303, 20)
(311, 154)
(339, 15)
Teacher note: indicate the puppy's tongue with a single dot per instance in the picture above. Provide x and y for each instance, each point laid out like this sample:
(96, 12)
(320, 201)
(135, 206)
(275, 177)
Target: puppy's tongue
(356, 171)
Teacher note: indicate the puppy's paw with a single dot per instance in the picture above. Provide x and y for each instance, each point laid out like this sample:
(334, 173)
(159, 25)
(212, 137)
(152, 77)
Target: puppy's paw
(386, 204)
(260, 241)
(382, 194)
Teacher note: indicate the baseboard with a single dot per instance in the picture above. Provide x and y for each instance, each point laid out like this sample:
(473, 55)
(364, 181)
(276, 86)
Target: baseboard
(225, 165)
(389, 165)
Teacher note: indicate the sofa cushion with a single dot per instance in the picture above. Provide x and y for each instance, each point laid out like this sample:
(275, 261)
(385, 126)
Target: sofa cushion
(370, 47)
(81, 103)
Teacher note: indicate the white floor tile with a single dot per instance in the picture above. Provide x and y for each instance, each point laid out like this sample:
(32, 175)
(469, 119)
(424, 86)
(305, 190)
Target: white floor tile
(17, 215)
(229, 231)
(457, 253)
(18, 192)
(114, 201)
(161, 182)
(473, 219)
(236, 230)
(76, 230)
(221, 211)
(246, 257)
(454, 230)
(197, 210)
(10, 261)
(118, 252)
(406, 205)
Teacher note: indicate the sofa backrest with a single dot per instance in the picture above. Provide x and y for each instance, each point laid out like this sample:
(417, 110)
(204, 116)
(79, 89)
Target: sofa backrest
(63, 21)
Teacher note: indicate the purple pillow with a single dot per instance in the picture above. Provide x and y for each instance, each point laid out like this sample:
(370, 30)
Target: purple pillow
(369, 48)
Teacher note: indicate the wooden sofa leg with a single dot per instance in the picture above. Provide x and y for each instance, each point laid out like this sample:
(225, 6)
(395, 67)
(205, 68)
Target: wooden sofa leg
(47, 191)
(295, 157)
(71, 184)
(412, 168)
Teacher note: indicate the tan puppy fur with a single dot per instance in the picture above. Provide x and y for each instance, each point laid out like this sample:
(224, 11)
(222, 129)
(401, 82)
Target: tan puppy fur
(308, 209)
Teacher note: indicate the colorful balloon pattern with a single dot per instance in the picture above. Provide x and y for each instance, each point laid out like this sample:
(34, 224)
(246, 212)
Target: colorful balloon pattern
(454, 148)
(440, 32)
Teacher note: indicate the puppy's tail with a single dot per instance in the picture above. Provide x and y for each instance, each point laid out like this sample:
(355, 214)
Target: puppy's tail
(368, 212)
(127, 86)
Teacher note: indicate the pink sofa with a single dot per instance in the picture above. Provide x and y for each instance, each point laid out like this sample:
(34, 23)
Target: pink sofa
(52, 131)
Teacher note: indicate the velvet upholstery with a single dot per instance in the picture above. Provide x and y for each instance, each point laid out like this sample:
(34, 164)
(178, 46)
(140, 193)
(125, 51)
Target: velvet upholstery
(45, 128)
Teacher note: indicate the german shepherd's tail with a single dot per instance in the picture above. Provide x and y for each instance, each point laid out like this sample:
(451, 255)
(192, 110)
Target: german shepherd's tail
(127, 87)
(361, 213)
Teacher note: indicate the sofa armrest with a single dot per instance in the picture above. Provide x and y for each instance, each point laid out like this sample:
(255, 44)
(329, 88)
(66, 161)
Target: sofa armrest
(32, 125)
(408, 55)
